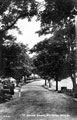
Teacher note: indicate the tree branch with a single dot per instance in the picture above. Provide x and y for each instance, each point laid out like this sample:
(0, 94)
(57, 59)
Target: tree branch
(10, 26)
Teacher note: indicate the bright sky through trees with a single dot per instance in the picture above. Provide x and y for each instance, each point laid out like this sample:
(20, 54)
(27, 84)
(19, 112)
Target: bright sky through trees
(28, 30)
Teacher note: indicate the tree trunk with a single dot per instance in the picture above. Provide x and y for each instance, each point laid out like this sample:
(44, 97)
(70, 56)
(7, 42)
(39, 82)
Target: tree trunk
(56, 84)
(45, 82)
(1, 67)
(74, 82)
(49, 83)
(0, 60)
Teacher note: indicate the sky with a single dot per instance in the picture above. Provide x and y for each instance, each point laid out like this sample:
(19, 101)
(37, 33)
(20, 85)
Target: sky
(28, 30)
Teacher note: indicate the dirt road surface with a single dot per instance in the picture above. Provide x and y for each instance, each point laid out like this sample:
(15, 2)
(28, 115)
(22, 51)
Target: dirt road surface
(38, 103)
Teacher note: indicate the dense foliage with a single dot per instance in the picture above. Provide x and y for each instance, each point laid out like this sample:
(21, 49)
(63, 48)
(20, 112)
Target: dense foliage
(16, 62)
(10, 12)
(57, 19)
(50, 59)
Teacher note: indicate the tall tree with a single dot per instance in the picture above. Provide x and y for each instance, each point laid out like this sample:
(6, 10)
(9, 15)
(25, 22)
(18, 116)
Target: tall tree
(16, 61)
(57, 19)
(10, 12)
(50, 59)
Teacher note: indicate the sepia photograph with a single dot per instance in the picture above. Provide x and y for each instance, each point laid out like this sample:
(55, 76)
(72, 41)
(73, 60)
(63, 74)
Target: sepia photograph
(38, 59)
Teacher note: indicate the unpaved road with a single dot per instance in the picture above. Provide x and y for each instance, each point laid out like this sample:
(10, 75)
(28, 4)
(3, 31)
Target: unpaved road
(38, 103)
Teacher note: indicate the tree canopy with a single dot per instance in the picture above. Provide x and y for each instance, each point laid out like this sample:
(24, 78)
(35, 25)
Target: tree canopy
(16, 62)
(50, 56)
(10, 12)
(57, 19)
